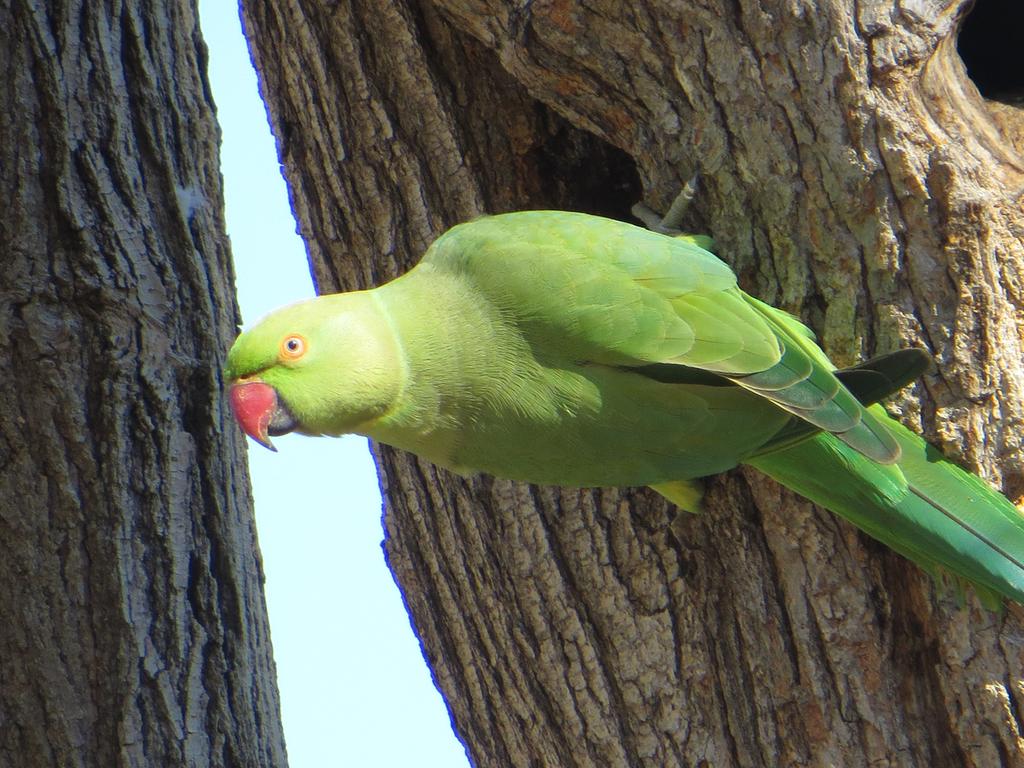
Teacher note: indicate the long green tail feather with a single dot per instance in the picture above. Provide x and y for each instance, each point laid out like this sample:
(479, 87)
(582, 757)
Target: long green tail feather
(925, 507)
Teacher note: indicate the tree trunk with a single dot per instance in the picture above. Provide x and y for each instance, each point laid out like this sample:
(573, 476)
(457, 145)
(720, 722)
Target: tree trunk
(132, 625)
(851, 174)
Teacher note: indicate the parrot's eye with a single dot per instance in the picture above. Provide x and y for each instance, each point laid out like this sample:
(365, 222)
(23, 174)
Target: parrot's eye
(293, 347)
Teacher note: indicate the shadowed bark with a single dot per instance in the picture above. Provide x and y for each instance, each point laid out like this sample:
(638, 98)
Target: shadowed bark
(851, 174)
(132, 625)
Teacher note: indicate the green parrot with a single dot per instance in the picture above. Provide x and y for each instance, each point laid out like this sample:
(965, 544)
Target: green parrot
(568, 349)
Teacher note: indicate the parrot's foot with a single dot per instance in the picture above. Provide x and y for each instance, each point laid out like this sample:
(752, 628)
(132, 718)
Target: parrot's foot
(670, 222)
(685, 494)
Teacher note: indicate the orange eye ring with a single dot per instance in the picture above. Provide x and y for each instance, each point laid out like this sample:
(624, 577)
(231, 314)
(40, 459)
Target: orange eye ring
(293, 346)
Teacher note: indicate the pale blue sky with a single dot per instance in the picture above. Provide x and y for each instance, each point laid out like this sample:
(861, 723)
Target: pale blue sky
(355, 690)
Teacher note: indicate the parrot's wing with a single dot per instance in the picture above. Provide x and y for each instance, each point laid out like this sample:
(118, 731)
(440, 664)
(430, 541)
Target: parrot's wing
(874, 380)
(804, 383)
(604, 292)
(870, 382)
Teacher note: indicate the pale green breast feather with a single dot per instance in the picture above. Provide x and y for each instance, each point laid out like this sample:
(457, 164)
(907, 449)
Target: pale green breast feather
(492, 389)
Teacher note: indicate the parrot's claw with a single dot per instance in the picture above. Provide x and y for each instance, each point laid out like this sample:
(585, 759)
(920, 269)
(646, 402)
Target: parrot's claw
(669, 224)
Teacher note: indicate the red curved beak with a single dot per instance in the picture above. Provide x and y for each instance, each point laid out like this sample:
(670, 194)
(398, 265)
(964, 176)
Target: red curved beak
(254, 404)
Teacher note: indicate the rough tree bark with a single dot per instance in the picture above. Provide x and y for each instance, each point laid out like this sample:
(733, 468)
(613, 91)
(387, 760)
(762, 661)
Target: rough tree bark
(132, 625)
(851, 174)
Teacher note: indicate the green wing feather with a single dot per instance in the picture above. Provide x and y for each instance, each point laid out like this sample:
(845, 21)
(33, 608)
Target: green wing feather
(610, 293)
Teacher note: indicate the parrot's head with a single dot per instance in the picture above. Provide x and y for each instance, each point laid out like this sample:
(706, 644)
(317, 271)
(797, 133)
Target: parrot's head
(328, 365)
